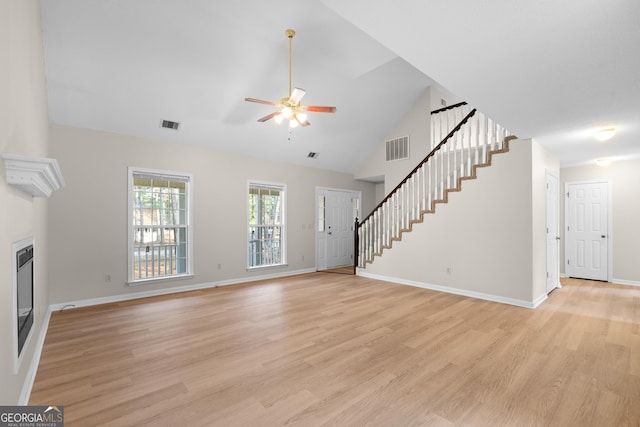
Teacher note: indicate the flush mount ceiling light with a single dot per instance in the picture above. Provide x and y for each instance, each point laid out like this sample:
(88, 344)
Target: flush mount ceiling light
(603, 162)
(605, 134)
(289, 107)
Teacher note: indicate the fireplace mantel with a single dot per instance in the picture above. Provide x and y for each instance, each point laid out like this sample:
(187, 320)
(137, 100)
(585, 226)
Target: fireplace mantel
(37, 176)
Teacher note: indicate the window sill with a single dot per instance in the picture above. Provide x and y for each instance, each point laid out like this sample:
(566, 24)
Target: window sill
(267, 267)
(158, 279)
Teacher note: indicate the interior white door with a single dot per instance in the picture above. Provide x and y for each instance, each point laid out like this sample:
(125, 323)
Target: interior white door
(587, 231)
(339, 227)
(553, 235)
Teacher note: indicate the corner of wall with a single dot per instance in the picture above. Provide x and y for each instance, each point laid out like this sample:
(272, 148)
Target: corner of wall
(23, 85)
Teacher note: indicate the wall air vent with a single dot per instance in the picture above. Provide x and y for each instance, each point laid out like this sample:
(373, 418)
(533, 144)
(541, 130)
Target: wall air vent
(168, 124)
(313, 155)
(397, 149)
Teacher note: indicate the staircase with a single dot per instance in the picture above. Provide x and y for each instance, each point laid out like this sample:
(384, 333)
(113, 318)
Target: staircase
(467, 140)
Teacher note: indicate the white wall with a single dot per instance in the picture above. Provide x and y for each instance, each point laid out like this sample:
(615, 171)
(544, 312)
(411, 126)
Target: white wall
(625, 205)
(23, 130)
(491, 234)
(417, 125)
(88, 219)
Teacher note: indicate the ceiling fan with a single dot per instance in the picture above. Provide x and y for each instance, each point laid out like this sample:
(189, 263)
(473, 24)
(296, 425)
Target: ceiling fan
(289, 107)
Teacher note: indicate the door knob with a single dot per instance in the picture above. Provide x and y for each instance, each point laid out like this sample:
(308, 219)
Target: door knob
(557, 237)
(603, 236)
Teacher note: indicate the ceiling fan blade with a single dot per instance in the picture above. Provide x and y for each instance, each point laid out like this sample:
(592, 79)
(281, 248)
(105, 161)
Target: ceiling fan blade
(304, 123)
(296, 95)
(260, 101)
(318, 109)
(269, 116)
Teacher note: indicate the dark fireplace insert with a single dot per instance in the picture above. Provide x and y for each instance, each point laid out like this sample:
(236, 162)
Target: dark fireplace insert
(24, 258)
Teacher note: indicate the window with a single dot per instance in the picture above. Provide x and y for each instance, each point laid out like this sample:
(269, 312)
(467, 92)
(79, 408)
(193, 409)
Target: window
(266, 228)
(160, 243)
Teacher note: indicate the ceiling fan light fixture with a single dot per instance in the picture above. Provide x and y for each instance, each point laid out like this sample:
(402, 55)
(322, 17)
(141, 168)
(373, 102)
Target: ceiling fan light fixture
(289, 107)
(605, 134)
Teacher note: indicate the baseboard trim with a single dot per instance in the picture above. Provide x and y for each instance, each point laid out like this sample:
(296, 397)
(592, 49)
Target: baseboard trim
(625, 282)
(25, 393)
(174, 290)
(456, 291)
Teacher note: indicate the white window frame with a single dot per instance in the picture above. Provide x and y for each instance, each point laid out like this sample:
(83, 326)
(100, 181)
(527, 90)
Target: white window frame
(131, 281)
(283, 200)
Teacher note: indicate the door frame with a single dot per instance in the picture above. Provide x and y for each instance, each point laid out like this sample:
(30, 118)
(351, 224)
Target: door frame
(355, 194)
(606, 181)
(554, 174)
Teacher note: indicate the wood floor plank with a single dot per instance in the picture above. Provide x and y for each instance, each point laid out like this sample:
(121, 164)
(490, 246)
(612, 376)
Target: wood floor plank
(336, 349)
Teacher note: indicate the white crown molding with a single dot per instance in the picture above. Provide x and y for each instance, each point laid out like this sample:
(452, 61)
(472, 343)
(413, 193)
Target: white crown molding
(37, 176)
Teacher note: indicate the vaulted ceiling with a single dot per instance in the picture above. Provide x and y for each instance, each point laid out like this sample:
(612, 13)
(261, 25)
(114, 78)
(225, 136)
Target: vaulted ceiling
(553, 71)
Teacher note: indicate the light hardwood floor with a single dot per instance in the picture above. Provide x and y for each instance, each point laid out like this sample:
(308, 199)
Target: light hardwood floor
(335, 350)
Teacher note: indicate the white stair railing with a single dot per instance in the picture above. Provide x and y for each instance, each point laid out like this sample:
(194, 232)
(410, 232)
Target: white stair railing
(466, 137)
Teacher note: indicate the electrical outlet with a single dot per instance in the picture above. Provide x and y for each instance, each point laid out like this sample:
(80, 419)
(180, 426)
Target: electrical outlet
(302, 257)
(107, 278)
(448, 270)
(219, 266)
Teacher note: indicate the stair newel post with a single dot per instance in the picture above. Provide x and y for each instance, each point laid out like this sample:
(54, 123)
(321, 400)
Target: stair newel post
(363, 242)
(356, 244)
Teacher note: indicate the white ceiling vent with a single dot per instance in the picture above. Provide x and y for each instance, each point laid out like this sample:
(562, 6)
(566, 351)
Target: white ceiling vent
(168, 124)
(397, 149)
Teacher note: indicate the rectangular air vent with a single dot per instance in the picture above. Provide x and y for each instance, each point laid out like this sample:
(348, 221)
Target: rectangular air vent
(397, 149)
(168, 124)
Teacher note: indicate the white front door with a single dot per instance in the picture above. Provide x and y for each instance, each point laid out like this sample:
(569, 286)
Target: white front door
(335, 234)
(587, 230)
(339, 229)
(553, 235)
